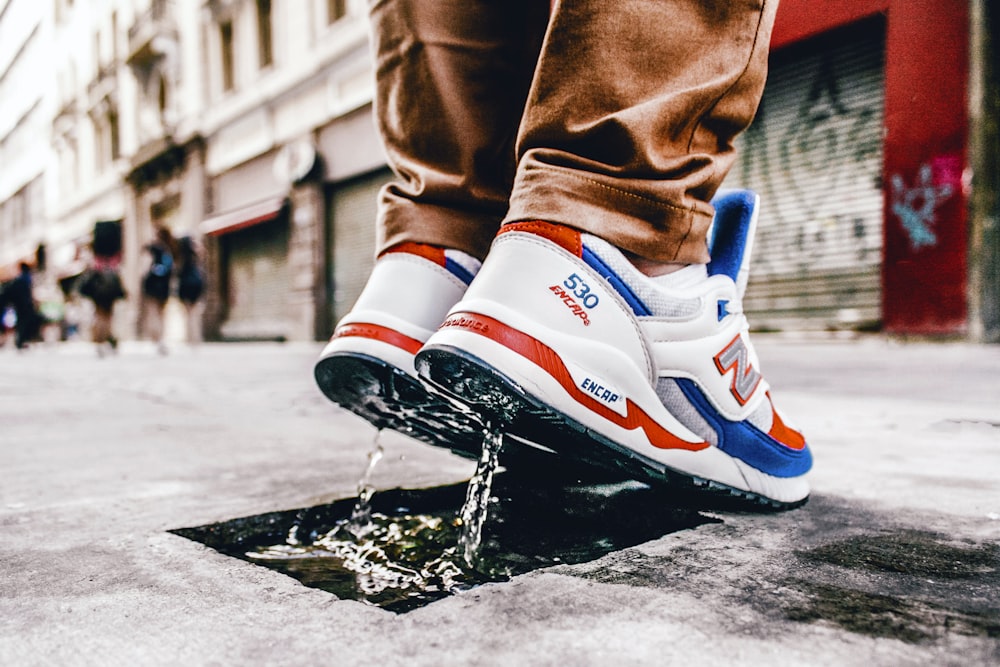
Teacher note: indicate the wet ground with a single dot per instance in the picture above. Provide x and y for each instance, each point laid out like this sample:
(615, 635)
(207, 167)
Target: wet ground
(134, 488)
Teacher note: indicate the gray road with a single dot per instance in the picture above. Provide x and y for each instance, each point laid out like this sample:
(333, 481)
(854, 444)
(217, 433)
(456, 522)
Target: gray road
(894, 561)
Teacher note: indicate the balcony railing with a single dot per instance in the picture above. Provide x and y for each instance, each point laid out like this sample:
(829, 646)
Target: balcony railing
(153, 33)
(103, 85)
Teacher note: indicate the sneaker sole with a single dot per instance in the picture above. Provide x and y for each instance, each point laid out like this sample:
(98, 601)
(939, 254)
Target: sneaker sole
(389, 398)
(501, 400)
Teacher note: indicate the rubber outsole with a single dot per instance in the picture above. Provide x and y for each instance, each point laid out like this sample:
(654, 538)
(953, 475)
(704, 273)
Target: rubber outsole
(389, 398)
(502, 401)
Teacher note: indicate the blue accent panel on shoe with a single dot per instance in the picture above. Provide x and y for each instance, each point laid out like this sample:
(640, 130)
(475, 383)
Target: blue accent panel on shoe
(597, 264)
(458, 270)
(723, 305)
(733, 212)
(744, 441)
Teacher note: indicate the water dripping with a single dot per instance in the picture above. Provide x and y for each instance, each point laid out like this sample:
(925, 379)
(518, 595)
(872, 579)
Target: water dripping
(361, 517)
(476, 508)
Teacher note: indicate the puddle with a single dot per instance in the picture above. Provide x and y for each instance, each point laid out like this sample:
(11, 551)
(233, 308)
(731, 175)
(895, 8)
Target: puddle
(409, 554)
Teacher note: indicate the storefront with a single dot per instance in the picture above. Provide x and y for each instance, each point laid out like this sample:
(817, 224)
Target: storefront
(252, 278)
(352, 211)
(863, 157)
(814, 155)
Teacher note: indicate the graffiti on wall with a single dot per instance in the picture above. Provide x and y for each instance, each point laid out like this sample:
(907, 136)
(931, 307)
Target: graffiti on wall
(915, 205)
(814, 154)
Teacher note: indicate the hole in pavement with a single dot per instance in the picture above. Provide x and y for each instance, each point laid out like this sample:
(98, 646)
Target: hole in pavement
(531, 524)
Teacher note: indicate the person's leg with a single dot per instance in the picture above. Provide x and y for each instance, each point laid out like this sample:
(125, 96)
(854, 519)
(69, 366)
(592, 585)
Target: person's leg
(21, 333)
(630, 122)
(154, 312)
(451, 81)
(100, 330)
(563, 336)
(192, 312)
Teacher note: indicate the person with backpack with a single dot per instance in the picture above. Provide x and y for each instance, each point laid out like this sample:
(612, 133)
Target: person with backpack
(190, 286)
(102, 284)
(156, 285)
(20, 294)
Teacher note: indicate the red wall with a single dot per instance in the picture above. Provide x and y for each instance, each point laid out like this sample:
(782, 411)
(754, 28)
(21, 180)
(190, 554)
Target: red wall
(925, 152)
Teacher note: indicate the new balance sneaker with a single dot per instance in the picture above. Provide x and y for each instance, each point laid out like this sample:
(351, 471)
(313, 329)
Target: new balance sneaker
(367, 367)
(564, 340)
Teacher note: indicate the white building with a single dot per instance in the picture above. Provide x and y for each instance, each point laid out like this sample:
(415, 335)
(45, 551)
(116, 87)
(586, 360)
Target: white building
(26, 104)
(245, 123)
(291, 161)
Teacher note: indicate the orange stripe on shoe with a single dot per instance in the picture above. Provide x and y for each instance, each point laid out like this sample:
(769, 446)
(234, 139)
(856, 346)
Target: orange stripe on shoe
(783, 433)
(565, 237)
(546, 358)
(429, 252)
(380, 333)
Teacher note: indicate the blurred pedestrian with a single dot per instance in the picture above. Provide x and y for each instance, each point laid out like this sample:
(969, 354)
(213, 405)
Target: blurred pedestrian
(156, 285)
(20, 295)
(102, 284)
(190, 286)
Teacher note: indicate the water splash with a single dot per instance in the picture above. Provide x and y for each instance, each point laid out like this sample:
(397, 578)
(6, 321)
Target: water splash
(361, 517)
(399, 562)
(476, 508)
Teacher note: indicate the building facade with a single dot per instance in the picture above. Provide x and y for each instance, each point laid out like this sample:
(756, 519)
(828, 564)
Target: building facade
(25, 116)
(247, 124)
(875, 152)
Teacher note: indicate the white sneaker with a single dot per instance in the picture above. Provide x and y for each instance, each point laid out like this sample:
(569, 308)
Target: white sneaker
(569, 344)
(367, 367)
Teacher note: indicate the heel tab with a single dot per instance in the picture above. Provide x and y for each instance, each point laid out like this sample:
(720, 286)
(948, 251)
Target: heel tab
(565, 237)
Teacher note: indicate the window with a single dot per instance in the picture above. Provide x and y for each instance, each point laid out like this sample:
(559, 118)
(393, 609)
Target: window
(162, 96)
(266, 54)
(100, 146)
(226, 42)
(335, 9)
(116, 151)
(114, 37)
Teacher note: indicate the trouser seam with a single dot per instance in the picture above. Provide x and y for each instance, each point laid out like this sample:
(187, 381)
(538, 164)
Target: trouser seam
(605, 186)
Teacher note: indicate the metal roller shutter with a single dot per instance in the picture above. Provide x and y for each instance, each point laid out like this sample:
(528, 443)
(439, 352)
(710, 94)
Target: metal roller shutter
(814, 154)
(353, 208)
(259, 281)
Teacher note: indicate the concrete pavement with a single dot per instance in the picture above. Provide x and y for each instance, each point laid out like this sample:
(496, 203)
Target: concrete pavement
(894, 561)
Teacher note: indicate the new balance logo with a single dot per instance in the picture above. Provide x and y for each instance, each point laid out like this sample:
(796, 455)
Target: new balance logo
(736, 357)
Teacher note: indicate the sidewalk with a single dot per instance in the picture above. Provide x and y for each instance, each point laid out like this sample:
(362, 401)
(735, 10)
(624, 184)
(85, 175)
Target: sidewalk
(894, 561)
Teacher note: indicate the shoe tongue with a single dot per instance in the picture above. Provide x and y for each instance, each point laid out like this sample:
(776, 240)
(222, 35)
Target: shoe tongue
(732, 235)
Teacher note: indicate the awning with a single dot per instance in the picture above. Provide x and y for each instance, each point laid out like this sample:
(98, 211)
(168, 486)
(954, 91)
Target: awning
(243, 217)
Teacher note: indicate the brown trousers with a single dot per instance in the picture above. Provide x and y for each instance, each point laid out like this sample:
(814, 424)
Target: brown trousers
(616, 117)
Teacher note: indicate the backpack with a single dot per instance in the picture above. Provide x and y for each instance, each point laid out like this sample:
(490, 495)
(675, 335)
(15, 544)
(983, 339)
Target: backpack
(156, 282)
(190, 284)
